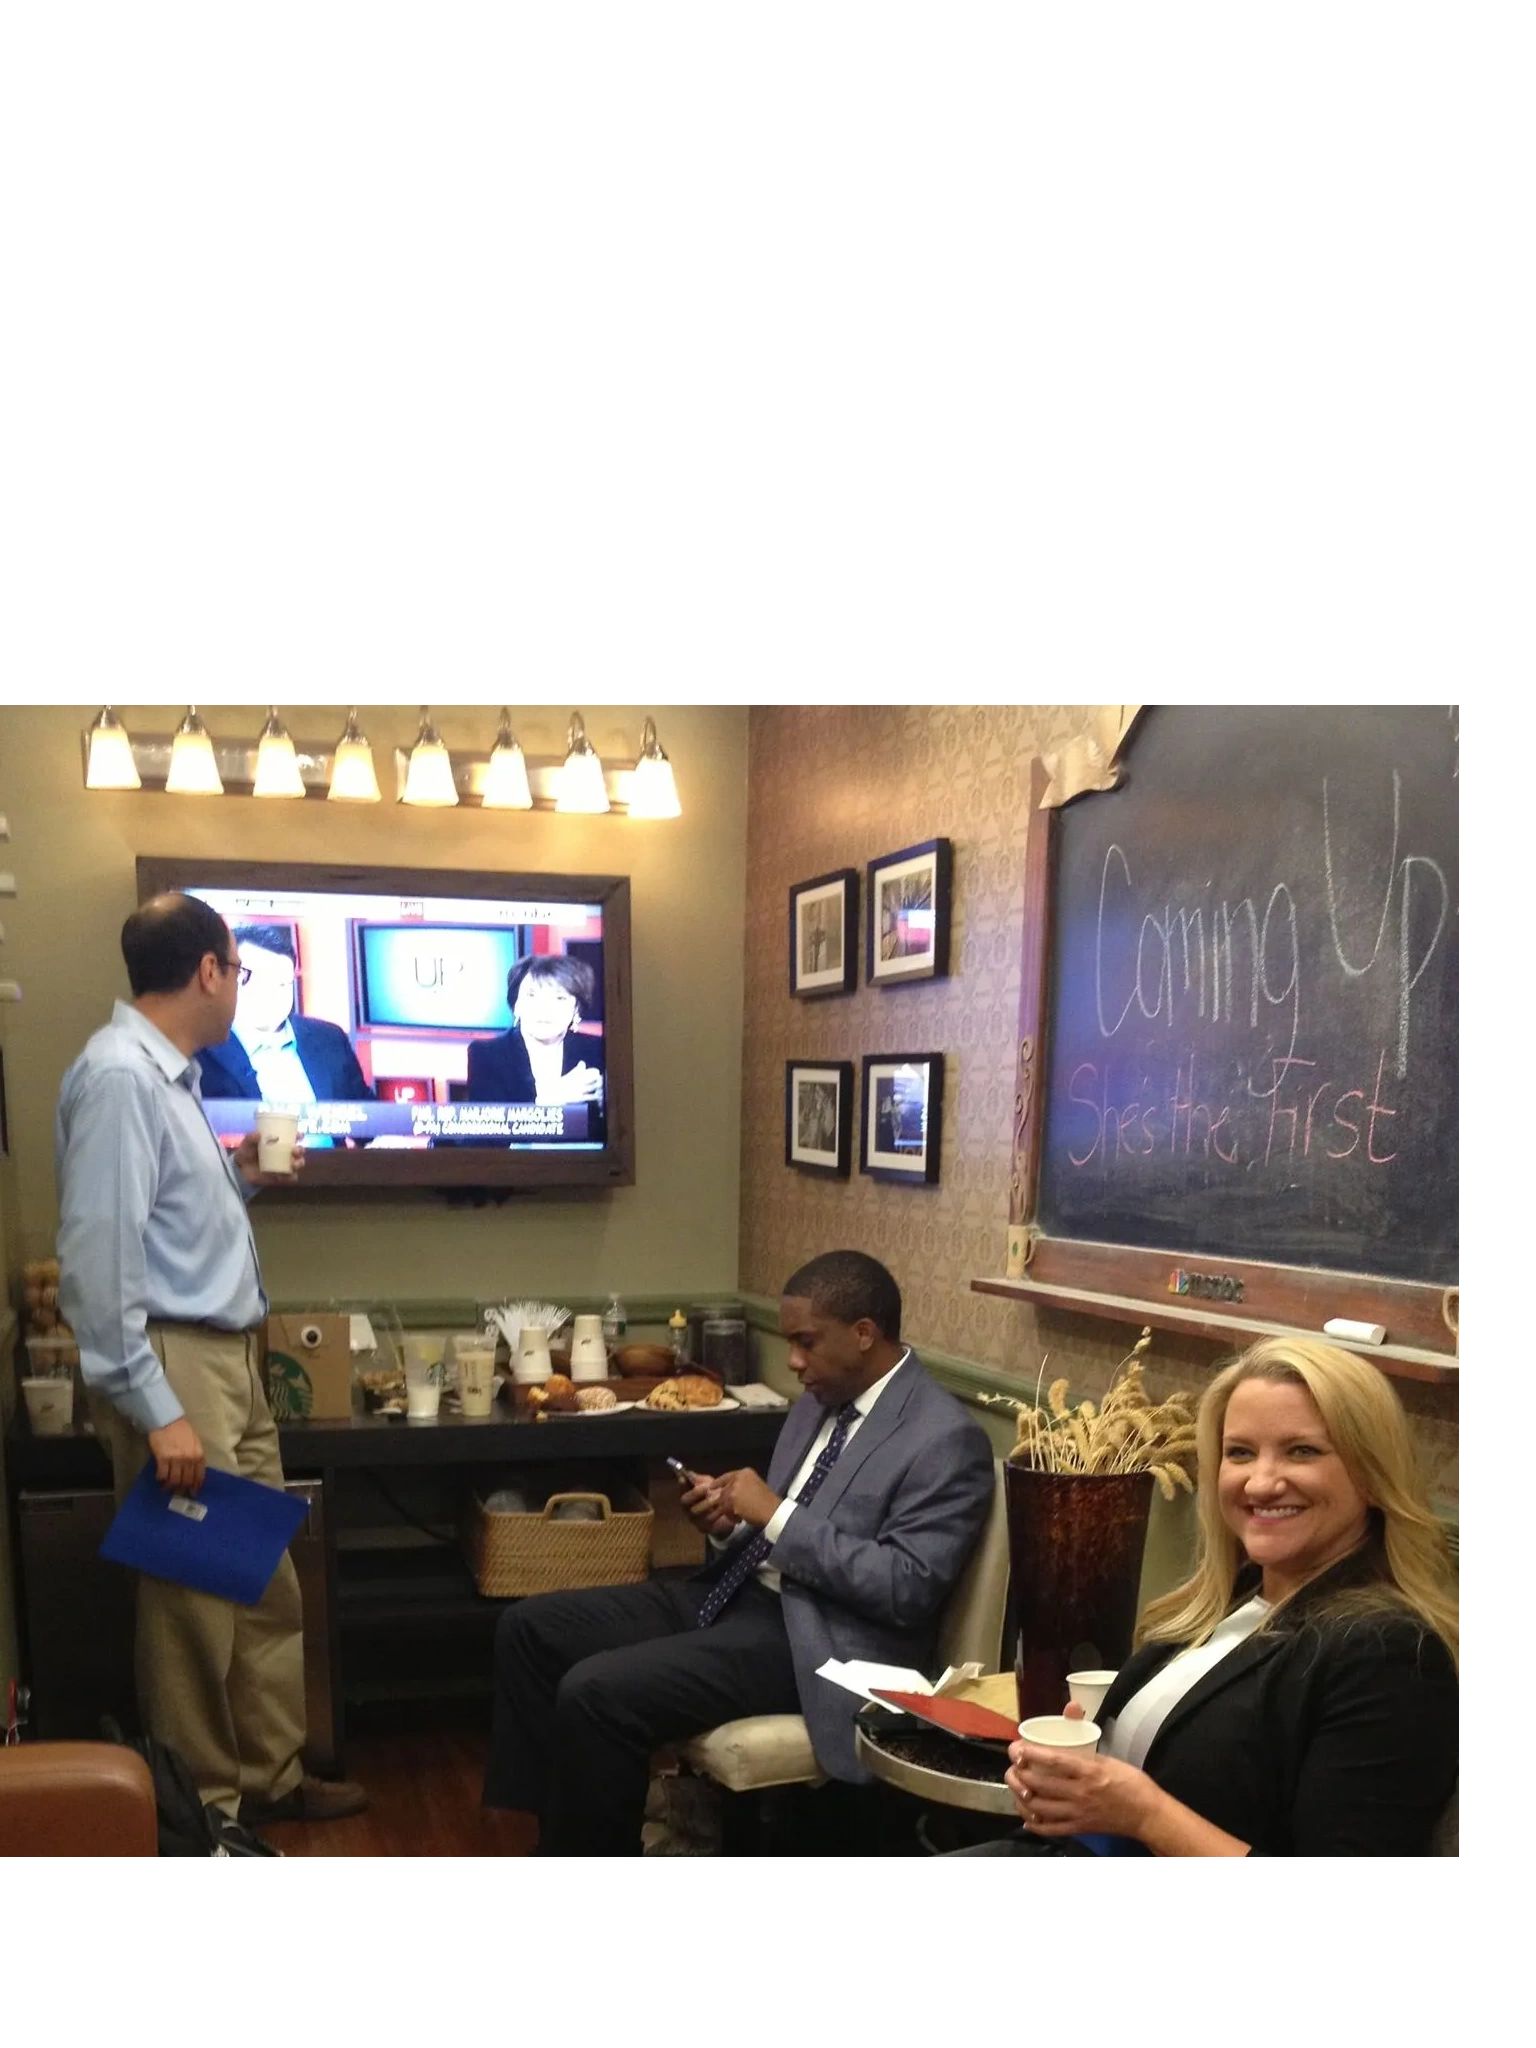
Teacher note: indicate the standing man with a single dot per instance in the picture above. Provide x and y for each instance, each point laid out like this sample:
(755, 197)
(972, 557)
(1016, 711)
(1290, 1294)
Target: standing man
(878, 1488)
(160, 1280)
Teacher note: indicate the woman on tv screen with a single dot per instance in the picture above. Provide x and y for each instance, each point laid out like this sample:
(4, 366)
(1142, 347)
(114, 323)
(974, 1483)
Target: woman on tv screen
(543, 1058)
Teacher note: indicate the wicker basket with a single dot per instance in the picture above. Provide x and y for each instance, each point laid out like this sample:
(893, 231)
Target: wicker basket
(514, 1555)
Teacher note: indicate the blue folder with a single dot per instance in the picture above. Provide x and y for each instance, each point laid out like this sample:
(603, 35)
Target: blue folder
(228, 1538)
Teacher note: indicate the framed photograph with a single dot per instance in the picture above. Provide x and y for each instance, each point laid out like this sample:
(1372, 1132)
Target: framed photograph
(909, 915)
(818, 1116)
(901, 1116)
(824, 935)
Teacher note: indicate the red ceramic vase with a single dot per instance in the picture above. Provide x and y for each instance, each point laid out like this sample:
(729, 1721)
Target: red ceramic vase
(1075, 1543)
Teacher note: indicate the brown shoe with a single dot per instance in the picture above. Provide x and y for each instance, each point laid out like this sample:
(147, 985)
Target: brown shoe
(310, 1799)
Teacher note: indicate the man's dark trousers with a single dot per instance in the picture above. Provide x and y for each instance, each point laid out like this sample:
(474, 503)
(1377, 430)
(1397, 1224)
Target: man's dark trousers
(590, 1684)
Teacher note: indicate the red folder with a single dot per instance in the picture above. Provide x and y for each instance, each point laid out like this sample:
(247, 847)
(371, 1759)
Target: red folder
(958, 1717)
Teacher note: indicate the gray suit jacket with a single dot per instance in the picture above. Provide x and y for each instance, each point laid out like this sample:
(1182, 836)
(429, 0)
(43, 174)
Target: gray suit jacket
(867, 1565)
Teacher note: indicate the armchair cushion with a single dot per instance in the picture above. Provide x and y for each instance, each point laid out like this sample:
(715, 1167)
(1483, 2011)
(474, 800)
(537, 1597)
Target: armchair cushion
(76, 1799)
(753, 1754)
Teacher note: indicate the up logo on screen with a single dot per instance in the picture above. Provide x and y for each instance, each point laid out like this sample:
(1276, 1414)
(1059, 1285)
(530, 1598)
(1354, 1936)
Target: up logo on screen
(435, 970)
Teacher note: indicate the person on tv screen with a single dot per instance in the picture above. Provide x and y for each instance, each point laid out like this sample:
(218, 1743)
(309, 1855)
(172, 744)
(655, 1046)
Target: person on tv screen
(272, 1055)
(542, 1058)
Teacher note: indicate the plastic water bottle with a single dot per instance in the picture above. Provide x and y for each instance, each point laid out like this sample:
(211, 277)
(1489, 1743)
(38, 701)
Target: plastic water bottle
(614, 1322)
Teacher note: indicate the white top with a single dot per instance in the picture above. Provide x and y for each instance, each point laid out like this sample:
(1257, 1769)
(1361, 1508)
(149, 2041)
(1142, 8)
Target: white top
(548, 1066)
(1134, 1727)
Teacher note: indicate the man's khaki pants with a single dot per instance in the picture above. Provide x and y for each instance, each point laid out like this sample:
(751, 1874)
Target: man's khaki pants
(222, 1684)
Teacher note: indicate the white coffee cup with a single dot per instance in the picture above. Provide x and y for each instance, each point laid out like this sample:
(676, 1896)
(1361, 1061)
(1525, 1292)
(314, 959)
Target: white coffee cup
(1055, 1731)
(423, 1399)
(1087, 1690)
(477, 1377)
(50, 1405)
(531, 1367)
(277, 1132)
(589, 1354)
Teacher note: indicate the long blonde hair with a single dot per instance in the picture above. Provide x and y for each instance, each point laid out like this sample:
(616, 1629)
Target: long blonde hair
(1366, 1426)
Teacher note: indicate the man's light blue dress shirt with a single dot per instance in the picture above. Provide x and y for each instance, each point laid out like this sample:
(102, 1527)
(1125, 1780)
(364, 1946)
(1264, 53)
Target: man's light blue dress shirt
(152, 1223)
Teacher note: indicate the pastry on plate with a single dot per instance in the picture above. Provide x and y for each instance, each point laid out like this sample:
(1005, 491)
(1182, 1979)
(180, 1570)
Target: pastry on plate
(688, 1390)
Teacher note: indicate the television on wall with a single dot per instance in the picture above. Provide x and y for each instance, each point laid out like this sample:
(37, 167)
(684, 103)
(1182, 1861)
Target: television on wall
(431, 1027)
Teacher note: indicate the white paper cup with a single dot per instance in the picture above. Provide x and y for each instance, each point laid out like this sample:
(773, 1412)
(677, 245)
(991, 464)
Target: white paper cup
(423, 1400)
(1055, 1731)
(531, 1365)
(277, 1132)
(589, 1355)
(1087, 1690)
(477, 1377)
(50, 1405)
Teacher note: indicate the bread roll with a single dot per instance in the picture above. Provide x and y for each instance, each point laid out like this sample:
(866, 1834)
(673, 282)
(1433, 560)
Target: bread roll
(642, 1358)
(588, 1398)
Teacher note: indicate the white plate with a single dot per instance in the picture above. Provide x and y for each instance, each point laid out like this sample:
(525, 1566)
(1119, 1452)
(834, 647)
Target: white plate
(617, 1409)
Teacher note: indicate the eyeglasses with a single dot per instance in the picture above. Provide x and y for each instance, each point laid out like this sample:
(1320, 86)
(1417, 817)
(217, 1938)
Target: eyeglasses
(234, 967)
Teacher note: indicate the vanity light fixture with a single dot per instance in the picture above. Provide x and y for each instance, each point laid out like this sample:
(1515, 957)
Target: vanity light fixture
(352, 778)
(277, 765)
(193, 770)
(653, 793)
(581, 785)
(191, 762)
(429, 775)
(109, 760)
(506, 773)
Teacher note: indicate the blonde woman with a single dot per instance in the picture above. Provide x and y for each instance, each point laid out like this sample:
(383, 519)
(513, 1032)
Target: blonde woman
(1297, 1697)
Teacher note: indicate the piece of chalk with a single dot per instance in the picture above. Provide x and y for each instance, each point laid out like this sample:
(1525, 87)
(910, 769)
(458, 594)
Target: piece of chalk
(1355, 1333)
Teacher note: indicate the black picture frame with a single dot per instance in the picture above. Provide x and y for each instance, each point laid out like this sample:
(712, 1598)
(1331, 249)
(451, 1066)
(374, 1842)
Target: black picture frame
(806, 1083)
(824, 918)
(901, 1117)
(909, 898)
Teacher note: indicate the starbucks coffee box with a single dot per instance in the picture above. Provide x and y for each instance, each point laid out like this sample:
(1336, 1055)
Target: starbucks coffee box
(309, 1367)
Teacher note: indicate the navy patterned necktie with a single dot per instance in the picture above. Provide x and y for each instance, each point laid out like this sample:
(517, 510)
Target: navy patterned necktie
(750, 1555)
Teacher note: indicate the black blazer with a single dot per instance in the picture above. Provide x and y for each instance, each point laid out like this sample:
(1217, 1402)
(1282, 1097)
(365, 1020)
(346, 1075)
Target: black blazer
(1319, 1736)
(325, 1053)
(500, 1070)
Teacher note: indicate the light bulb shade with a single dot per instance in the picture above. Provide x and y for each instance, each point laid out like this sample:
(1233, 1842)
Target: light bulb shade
(109, 762)
(277, 765)
(653, 793)
(193, 770)
(581, 787)
(506, 780)
(429, 772)
(352, 778)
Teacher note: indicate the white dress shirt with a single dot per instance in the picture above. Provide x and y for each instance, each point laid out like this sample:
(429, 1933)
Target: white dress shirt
(774, 1528)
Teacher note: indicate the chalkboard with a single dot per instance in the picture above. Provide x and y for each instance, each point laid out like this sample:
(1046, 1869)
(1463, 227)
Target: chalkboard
(1251, 1036)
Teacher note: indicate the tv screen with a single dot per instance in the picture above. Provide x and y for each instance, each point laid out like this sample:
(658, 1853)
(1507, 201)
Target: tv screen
(428, 1027)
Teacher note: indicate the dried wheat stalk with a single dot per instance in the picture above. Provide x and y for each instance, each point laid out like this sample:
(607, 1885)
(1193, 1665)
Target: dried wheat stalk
(1125, 1432)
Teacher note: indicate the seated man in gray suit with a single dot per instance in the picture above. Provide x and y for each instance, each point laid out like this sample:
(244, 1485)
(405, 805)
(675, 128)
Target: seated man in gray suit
(876, 1493)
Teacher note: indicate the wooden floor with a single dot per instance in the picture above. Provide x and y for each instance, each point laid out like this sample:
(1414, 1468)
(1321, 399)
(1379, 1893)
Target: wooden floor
(422, 1768)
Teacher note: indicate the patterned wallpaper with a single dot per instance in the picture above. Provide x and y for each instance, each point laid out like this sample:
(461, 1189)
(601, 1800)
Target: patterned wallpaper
(833, 786)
